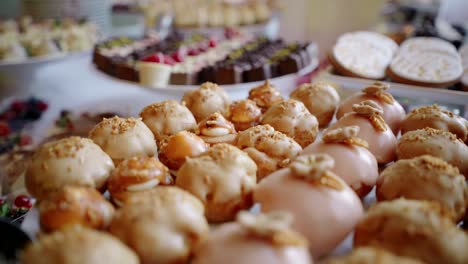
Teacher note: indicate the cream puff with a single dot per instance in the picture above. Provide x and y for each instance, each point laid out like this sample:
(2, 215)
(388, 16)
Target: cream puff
(162, 225)
(223, 178)
(320, 98)
(438, 143)
(435, 117)
(414, 229)
(166, 118)
(75, 206)
(367, 115)
(292, 118)
(78, 245)
(244, 114)
(123, 138)
(265, 95)
(372, 255)
(207, 99)
(134, 175)
(216, 129)
(324, 207)
(271, 150)
(251, 239)
(353, 161)
(393, 112)
(71, 161)
(176, 148)
(425, 178)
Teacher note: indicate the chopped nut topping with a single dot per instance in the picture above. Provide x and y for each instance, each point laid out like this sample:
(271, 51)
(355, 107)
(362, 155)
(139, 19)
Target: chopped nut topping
(373, 111)
(378, 89)
(118, 125)
(316, 169)
(430, 110)
(345, 135)
(274, 226)
(425, 133)
(67, 147)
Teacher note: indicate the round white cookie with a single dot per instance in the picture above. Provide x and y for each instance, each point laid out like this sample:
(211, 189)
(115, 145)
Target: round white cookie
(364, 54)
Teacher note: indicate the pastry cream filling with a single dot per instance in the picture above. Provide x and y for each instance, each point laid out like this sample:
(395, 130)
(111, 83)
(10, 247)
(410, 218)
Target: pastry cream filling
(215, 131)
(143, 186)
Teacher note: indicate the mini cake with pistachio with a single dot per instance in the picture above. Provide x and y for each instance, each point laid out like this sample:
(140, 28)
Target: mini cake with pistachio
(123, 138)
(70, 161)
(216, 129)
(251, 239)
(367, 115)
(271, 150)
(344, 145)
(134, 175)
(325, 209)
(244, 114)
(292, 118)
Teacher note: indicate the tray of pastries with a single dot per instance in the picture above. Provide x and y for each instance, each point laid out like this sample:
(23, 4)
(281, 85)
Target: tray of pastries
(306, 177)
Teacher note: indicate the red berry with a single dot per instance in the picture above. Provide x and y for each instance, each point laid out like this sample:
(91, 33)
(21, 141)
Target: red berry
(178, 56)
(213, 43)
(18, 106)
(156, 58)
(23, 201)
(4, 129)
(42, 106)
(169, 60)
(25, 140)
(193, 52)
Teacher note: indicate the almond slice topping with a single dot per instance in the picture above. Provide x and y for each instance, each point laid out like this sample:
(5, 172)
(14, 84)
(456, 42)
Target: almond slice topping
(345, 135)
(378, 89)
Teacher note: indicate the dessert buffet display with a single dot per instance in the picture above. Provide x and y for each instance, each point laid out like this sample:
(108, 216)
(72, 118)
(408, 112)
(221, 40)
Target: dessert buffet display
(25, 39)
(177, 60)
(420, 61)
(180, 182)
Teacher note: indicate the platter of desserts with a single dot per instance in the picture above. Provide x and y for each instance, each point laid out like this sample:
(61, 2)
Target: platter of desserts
(418, 61)
(180, 62)
(328, 175)
(27, 42)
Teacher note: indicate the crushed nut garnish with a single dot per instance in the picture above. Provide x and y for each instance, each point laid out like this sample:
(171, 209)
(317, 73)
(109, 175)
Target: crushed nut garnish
(345, 135)
(373, 111)
(316, 169)
(378, 89)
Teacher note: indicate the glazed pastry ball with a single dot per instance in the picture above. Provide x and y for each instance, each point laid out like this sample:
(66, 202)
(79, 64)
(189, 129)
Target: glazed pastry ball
(252, 239)
(244, 114)
(393, 112)
(271, 150)
(372, 255)
(325, 209)
(71, 161)
(78, 245)
(414, 229)
(265, 95)
(425, 178)
(320, 98)
(176, 148)
(205, 100)
(166, 118)
(435, 117)
(438, 143)
(367, 116)
(292, 118)
(216, 129)
(353, 161)
(123, 138)
(162, 225)
(75, 206)
(223, 178)
(134, 175)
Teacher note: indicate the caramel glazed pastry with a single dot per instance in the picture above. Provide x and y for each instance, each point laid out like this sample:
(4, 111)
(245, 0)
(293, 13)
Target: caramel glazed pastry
(216, 129)
(437, 181)
(137, 174)
(416, 229)
(162, 225)
(438, 143)
(124, 138)
(75, 206)
(435, 117)
(207, 99)
(372, 255)
(254, 238)
(78, 245)
(70, 161)
(265, 95)
(244, 114)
